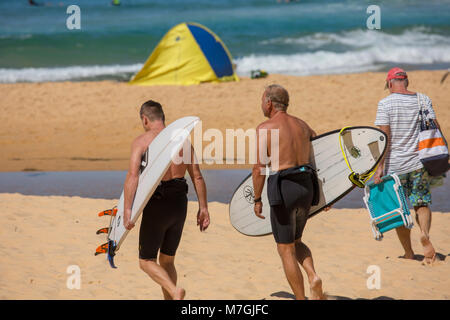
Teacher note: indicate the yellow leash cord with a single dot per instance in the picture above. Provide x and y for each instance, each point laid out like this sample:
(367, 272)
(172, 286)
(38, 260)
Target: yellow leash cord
(357, 179)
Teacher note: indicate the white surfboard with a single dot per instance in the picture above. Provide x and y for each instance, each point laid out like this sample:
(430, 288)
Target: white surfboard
(159, 156)
(364, 147)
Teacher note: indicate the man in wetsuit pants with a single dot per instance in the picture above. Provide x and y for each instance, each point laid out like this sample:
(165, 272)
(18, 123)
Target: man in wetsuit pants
(164, 215)
(290, 190)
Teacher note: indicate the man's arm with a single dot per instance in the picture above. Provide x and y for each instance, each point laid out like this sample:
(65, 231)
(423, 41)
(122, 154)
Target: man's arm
(193, 168)
(257, 173)
(379, 173)
(131, 183)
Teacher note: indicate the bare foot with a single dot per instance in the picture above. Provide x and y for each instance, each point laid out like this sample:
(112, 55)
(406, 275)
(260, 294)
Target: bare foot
(316, 289)
(179, 294)
(408, 256)
(428, 249)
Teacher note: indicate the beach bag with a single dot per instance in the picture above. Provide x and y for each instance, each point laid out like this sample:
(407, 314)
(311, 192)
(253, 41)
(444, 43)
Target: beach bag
(387, 206)
(433, 149)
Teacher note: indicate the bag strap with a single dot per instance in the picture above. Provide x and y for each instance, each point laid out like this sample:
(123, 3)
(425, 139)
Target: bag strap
(423, 123)
(421, 111)
(422, 116)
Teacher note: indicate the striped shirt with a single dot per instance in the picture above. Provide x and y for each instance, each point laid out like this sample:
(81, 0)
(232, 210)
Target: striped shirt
(401, 113)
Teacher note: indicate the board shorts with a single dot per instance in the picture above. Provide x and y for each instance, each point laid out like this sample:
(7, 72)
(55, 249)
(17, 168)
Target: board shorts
(417, 186)
(288, 219)
(163, 219)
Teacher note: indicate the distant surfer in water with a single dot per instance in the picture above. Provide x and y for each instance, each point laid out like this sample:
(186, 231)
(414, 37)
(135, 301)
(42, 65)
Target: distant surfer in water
(291, 191)
(32, 3)
(165, 213)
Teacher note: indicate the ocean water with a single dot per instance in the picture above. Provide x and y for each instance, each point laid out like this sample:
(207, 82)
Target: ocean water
(298, 38)
(221, 185)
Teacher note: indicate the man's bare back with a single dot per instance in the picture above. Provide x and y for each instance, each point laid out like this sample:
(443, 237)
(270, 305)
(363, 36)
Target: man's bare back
(294, 140)
(140, 146)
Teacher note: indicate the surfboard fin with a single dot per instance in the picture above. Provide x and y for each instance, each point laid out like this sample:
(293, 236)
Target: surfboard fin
(109, 248)
(109, 212)
(102, 249)
(102, 230)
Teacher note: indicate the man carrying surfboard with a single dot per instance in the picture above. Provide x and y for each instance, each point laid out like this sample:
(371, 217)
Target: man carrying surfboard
(165, 213)
(290, 190)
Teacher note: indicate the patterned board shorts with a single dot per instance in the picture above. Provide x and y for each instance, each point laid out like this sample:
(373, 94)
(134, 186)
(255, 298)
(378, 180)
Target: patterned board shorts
(417, 186)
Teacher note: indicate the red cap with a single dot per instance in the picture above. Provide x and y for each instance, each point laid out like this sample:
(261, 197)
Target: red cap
(395, 73)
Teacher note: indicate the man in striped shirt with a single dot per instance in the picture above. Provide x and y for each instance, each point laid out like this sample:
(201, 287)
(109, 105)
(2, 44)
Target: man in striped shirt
(398, 117)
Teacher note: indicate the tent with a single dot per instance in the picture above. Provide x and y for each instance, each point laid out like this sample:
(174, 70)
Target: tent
(188, 54)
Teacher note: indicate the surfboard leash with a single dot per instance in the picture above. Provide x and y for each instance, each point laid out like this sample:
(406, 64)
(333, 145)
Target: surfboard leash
(357, 179)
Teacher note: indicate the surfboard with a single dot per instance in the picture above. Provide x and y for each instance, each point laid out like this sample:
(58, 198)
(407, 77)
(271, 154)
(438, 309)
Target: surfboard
(155, 163)
(363, 147)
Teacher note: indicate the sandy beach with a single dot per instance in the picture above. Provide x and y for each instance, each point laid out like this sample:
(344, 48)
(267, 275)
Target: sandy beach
(66, 126)
(43, 236)
(73, 126)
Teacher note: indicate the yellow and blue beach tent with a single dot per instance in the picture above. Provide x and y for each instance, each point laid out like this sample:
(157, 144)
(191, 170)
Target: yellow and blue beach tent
(188, 54)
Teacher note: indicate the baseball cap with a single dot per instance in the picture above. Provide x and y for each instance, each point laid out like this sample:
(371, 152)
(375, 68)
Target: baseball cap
(395, 73)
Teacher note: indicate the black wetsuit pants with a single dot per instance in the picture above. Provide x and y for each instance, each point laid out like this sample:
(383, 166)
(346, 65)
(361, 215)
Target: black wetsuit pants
(289, 218)
(163, 219)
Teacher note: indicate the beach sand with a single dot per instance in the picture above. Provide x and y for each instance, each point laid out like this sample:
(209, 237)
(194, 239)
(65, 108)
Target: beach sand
(68, 126)
(42, 237)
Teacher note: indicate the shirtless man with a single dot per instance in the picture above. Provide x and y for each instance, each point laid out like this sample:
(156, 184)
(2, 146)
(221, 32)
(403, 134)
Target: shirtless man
(164, 215)
(293, 183)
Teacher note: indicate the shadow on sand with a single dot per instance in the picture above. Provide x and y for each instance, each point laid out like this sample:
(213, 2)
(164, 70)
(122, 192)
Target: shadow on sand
(419, 257)
(287, 295)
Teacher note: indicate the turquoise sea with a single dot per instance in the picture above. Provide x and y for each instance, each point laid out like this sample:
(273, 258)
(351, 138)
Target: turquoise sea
(300, 38)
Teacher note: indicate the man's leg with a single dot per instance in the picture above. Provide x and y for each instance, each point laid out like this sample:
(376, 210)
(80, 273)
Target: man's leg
(304, 257)
(404, 235)
(423, 218)
(421, 199)
(291, 269)
(168, 264)
(162, 277)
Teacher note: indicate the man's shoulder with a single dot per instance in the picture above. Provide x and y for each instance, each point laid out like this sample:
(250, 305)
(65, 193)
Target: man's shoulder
(424, 97)
(142, 141)
(268, 124)
(386, 100)
(276, 123)
(139, 139)
(395, 98)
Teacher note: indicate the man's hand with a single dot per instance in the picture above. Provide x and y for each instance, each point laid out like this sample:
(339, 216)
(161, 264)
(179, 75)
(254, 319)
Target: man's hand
(127, 220)
(377, 176)
(203, 219)
(258, 210)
